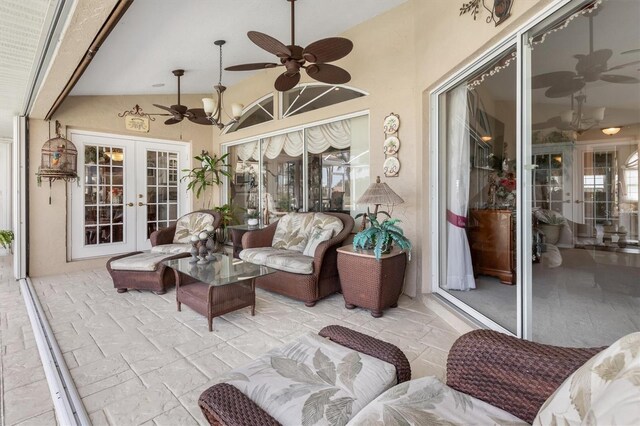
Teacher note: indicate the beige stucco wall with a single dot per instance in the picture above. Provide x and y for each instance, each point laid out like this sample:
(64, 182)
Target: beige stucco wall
(48, 230)
(398, 58)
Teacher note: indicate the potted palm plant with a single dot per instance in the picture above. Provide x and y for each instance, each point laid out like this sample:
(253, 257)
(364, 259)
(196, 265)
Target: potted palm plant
(211, 171)
(380, 236)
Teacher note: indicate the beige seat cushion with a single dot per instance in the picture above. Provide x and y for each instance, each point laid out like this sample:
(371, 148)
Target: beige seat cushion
(191, 224)
(171, 248)
(139, 262)
(281, 259)
(604, 391)
(428, 401)
(316, 237)
(313, 381)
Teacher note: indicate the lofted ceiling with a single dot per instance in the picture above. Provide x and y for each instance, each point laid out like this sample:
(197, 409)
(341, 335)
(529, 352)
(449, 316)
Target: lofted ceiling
(155, 37)
(23, 27)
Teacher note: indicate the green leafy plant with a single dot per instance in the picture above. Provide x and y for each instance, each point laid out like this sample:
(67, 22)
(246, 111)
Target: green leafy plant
(210, 173)
(252, 213)
(6, 238)
(380, 236)
(227, 211)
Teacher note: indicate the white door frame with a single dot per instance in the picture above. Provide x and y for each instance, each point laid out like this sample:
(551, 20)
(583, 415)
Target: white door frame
(130, 144)
(20, 197)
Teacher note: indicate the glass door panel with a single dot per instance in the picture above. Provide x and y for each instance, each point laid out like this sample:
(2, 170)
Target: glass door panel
(478, 216)
(159, 196)
(243, 183)
(584, 286)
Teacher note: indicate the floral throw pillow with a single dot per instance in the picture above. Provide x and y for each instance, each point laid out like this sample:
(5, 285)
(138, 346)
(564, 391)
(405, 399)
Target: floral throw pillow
(191, 224)
(604, 391)
(291, 231)
(317, 236)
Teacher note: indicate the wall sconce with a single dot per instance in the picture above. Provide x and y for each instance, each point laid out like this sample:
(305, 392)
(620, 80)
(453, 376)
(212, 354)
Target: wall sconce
(610, 131)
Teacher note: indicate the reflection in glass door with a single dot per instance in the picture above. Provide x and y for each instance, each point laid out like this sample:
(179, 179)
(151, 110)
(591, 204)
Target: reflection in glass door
(128, 189)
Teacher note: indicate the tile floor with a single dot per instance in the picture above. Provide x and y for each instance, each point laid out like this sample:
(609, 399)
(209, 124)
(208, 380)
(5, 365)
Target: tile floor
(24, 393)
(136, 360)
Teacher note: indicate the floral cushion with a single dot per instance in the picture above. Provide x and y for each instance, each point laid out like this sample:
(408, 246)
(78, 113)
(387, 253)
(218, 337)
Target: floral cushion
(146, 261)
(604, 391)
(191, 224)
(291, 231)
(281, 259)
(326, 221)
(313, 381)
(172, 248)
(427, 401)
(316, 236)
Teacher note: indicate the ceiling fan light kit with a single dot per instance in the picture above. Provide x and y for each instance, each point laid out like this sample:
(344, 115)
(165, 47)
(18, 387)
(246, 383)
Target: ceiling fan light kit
(213, 108)
(313, 59)
(610, 131)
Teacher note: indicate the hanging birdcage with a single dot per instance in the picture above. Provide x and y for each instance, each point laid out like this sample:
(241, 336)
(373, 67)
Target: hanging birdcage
(58, 160)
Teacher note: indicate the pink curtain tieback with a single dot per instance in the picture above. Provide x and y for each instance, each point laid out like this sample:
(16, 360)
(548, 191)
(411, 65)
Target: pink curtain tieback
(455, 220)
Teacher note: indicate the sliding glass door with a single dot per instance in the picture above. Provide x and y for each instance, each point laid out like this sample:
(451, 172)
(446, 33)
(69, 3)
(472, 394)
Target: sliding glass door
(537, 170)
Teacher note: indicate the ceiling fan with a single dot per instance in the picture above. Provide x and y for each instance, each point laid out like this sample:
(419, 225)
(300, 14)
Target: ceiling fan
(179, 111)
(294, 57)
(575, 118)
(590, 67)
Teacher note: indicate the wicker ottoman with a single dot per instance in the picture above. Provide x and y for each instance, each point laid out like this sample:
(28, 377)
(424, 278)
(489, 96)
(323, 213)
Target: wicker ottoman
(307, 380)
(142, 271)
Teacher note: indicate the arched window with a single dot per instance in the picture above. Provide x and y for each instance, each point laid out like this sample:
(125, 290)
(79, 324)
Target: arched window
(258, 112)
(312, 96)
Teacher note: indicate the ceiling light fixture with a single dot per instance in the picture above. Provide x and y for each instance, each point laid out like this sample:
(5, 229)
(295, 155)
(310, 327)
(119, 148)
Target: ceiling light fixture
(610, 131)
(213, 107)
(486, 138)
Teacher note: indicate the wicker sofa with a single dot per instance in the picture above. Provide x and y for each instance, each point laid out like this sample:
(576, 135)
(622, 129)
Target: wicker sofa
(316, 275)
(492, 378)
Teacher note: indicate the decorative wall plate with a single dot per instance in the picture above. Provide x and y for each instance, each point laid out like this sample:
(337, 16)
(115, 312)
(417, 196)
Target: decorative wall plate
(391, 123)
(391, 166)
(391, 145)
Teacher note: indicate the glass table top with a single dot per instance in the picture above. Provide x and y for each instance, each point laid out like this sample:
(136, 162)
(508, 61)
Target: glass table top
(222, 270)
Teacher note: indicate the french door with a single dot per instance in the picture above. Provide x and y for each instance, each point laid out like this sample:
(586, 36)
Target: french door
(127, 189)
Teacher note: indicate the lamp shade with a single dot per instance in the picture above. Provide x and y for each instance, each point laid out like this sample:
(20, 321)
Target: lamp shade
(236, 110)
(209, 105)
(380, 193)
(567, 116)
(598, 114)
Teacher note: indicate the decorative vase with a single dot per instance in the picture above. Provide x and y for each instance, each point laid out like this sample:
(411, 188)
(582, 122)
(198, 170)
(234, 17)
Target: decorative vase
(551, 232)
(211, 248)
(194, 252)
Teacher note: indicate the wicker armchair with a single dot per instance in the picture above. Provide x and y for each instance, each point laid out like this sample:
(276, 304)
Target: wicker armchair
(165, 235)
(509, 373)
(308, 288)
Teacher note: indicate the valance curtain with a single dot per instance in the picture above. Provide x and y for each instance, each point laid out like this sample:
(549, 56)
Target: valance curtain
(459, 266)
(319, 139)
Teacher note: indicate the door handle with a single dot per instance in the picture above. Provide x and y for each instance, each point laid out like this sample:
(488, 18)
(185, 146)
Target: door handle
(567, 201)
(140, 203)
(130, 204)
(578, 201)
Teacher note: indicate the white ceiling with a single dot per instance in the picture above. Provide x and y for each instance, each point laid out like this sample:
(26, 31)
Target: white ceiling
(22, 27)
(155, 37)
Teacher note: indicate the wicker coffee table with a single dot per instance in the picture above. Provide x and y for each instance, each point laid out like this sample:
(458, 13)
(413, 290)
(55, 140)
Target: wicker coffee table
(223, 285)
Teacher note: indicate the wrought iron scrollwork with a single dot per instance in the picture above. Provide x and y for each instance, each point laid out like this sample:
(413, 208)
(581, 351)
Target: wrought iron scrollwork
(137, 111)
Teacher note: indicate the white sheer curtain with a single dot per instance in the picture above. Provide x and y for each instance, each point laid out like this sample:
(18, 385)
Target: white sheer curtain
(459, 265)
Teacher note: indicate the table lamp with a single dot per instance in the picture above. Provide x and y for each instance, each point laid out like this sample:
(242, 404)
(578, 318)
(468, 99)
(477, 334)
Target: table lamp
(378, 193)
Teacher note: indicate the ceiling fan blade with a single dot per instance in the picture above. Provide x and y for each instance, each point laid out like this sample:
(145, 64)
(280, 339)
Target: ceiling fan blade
(195, 112)
(327, 73)
(200, 120)
(164, 108)
(564, 89)
(269, 44)
(251, 67)
(630, 51)
(181, 109)
(551, 78)
(172, 121)
(617, 67)
(327, 50)
(286, 82)
(593, 62)
(621, 79)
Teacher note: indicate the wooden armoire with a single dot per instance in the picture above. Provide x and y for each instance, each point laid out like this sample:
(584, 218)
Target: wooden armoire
(492, 240)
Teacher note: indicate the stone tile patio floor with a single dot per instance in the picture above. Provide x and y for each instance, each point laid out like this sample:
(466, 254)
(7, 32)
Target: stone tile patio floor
(24, 393)
(136, 360)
